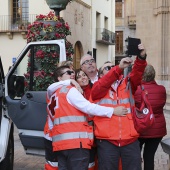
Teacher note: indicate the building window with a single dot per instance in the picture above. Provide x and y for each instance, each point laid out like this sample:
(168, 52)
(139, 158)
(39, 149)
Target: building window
(119, 42)
(20, 11)
(118, 11)
(106, 22)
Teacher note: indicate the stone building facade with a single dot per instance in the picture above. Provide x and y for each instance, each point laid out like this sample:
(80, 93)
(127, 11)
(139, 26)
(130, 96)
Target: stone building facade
(90, 21)
(153, 27)
(148, 20)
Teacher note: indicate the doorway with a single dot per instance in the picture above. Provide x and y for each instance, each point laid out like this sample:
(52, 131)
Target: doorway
(78, 49)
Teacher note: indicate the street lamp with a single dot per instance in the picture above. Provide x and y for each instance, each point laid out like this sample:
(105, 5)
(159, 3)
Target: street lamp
(57, 5)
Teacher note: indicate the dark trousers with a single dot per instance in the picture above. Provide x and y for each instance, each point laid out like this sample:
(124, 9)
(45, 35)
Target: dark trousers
(150, 147)
(49, 154)
(109, 154)
(73, 159)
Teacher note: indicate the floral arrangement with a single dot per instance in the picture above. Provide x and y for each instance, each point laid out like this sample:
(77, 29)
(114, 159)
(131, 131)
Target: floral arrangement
(47, 27)
(50, 16)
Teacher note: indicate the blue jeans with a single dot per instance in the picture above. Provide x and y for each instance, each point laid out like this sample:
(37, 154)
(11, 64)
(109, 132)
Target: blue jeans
(109, 154)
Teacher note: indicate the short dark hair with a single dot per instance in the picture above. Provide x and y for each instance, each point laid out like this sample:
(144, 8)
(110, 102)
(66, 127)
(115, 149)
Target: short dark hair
(65, 63)
(107, 62)
(58, 72)
(100, 71)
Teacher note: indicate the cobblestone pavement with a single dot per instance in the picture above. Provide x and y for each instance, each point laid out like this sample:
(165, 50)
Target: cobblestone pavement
(28, 162)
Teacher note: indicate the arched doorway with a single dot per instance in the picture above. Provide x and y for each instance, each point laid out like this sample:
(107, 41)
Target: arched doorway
(78, 52)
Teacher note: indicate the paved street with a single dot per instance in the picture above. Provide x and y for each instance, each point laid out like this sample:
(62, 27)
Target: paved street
(23, 161)
(27, 162)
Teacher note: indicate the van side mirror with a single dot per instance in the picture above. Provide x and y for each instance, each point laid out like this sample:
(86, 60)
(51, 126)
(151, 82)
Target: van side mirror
(16, 86)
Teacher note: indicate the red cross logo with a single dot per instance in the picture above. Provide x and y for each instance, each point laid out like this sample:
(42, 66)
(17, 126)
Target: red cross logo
(52, 105)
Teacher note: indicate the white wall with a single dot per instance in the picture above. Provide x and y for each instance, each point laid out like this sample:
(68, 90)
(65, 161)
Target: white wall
(10, 48)
(38, 7)
(4, 7)
(106, 9)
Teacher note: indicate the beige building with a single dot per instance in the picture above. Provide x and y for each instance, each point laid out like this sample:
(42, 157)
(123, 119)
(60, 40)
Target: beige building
(153, 26)
(149, 21)
(125, 26)
(91, 23)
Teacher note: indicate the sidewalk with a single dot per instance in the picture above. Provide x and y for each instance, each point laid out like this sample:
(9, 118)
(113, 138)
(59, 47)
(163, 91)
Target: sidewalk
(23, 161)
(161, 158)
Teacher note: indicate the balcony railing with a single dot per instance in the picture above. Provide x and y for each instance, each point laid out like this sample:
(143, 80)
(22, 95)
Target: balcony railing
(132, 22)
(10, 24)
(105, 36)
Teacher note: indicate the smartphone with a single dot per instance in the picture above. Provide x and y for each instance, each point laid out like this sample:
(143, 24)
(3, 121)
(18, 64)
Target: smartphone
(133, 46)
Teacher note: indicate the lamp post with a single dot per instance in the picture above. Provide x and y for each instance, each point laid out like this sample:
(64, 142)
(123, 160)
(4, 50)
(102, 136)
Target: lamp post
(57, 5)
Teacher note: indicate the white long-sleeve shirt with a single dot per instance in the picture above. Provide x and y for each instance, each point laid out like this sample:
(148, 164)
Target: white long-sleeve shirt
(53, 87)
(77, 100)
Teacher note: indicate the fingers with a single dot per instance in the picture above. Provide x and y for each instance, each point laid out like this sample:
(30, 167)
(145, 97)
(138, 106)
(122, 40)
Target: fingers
(79, 89)
(127, 59)
(77, 86)
(124, 112)
(120, 111)
(74, 83)
(141, 47)
(125, 62)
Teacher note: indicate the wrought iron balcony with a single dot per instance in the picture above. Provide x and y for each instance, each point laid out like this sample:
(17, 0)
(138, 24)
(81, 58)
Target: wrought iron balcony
(10, 24)
(132, 22)
(105, 36)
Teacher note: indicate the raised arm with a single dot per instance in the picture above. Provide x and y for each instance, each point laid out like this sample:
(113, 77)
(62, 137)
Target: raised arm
(138, 69)
(100, 87)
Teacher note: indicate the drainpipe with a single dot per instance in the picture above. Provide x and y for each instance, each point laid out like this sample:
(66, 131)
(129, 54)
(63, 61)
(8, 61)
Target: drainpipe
(164, 45)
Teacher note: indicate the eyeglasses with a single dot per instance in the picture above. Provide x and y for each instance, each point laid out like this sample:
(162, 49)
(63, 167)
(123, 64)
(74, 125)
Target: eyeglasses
(107, 68)
(88, 62)
(69, 72)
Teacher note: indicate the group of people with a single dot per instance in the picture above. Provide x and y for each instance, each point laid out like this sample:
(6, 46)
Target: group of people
(89, 124)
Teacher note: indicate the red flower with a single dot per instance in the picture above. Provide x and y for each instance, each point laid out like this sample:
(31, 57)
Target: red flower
(57, 35)
(67, 26)
(40, 54)
(26, 84)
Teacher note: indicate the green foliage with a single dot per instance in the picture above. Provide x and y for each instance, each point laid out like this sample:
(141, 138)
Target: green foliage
(44, 28)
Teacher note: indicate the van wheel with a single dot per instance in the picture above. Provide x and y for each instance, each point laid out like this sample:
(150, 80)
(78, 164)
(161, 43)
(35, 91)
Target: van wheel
(8, 162)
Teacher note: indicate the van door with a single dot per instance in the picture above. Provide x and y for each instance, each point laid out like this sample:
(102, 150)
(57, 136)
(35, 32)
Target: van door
(1, 86)
(25, 91)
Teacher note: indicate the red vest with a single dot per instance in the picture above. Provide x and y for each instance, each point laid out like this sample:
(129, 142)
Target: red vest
(71, 129)
(118, 127)
(46, 127)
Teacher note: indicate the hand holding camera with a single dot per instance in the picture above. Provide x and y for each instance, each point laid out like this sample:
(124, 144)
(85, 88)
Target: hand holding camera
(125, 62)
(142, 50)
